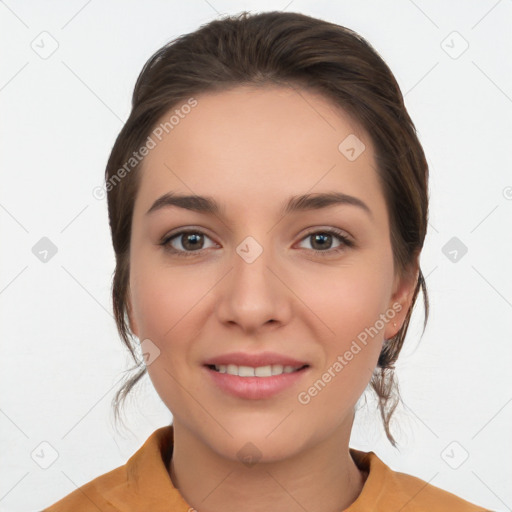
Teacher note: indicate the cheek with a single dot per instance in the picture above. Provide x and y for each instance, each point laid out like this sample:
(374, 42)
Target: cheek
(353, 310)
(164, 310)
(164, 297)
(352, 302)
(352, 298)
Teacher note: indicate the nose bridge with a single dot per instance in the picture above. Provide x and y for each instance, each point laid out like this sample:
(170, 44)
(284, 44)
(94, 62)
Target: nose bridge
(250, 250)
(250, 273)
(252, 294)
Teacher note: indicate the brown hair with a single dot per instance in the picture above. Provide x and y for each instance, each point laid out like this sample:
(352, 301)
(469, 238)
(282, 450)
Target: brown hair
(288, 49)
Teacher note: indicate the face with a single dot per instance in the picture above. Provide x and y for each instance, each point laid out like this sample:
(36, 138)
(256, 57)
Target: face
(313, 285)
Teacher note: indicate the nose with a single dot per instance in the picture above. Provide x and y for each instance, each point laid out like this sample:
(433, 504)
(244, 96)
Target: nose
(254, 293)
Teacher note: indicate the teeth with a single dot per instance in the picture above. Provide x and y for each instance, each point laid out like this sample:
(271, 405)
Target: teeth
(260, 371)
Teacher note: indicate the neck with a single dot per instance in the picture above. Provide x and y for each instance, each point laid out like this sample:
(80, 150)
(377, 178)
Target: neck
(321, 478)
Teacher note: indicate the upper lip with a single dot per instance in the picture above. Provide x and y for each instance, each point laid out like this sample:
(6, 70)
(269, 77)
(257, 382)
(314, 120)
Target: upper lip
(254, 360)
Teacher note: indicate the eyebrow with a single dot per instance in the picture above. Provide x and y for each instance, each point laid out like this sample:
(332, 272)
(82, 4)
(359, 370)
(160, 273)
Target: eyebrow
(305, 202)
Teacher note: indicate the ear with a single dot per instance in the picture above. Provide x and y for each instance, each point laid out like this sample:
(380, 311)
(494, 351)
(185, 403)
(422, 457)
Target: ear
(129, 310)
(401, 299)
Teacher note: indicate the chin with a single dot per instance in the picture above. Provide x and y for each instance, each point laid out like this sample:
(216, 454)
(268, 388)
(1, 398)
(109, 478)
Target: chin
(260, 440)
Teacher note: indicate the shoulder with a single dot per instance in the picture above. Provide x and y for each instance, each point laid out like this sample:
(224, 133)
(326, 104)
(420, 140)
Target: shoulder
(387, 490)
(143, 483)
(416, 495)
(91, 496)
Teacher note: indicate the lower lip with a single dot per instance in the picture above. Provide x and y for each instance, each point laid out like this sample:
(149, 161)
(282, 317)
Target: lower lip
(255, 388)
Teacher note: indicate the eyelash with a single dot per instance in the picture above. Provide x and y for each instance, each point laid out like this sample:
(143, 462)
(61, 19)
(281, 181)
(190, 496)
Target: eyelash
(346, 242)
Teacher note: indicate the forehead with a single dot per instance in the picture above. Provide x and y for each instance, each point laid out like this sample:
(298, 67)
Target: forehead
(248, 143)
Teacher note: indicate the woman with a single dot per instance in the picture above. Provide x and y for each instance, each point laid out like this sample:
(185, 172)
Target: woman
(268, 202)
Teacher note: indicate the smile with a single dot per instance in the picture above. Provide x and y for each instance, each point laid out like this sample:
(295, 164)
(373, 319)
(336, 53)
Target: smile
(255, 382)
(260, 371)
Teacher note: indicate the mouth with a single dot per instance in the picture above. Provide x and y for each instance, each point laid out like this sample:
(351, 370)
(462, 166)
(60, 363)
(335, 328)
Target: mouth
(259, 371)
(255, 382)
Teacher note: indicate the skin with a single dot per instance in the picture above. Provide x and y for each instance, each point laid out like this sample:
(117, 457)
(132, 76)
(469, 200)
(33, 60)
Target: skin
(251, 149)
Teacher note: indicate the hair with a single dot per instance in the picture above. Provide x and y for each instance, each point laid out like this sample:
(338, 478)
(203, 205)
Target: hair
(290, 50)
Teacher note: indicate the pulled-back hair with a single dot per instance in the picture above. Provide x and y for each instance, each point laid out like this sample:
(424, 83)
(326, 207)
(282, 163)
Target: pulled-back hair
(292, 50)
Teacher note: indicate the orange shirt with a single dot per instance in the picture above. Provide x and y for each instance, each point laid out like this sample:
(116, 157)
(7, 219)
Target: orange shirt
(143, 484)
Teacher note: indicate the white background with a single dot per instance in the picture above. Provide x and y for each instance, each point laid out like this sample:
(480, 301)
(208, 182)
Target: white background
(61, 355)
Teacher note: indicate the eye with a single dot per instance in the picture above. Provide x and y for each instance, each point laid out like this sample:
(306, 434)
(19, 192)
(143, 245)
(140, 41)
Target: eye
(322, 241)
(186, 243)
(191, 242)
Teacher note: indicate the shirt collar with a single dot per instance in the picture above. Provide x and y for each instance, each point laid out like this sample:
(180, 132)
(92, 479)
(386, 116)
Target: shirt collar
(148, 486)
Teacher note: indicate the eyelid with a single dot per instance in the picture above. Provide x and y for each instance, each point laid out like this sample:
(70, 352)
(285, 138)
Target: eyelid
(166, 239)
(346, 240)
(330, 230)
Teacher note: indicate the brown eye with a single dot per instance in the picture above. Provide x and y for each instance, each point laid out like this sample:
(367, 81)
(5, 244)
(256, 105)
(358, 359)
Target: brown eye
(322, 241)
(191, 241)
(186, 243)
